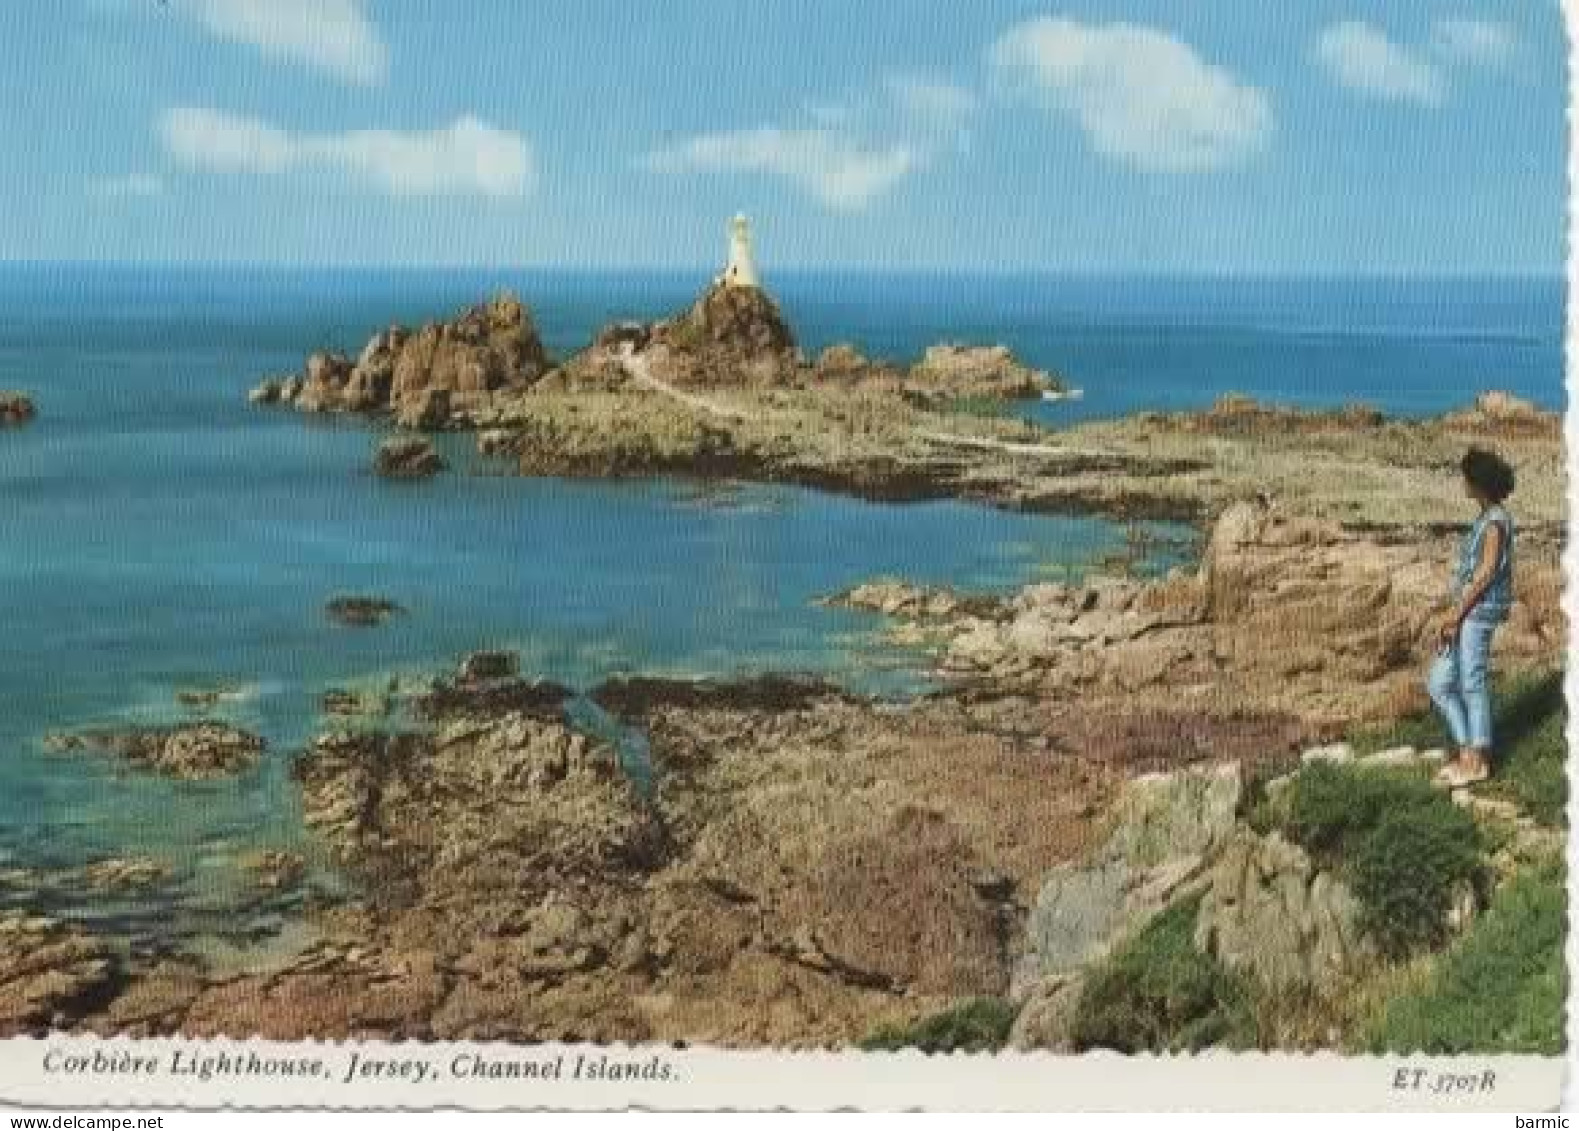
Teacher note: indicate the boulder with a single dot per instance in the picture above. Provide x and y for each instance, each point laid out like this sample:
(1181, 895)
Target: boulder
(407, 457)
(842, 360)
(273, 869)
(16, 408)
(1165, 829)
(1270, 913)
(1333, 754)
(361, 611)
(1046, 1018)
(489, 665)
(118, 874)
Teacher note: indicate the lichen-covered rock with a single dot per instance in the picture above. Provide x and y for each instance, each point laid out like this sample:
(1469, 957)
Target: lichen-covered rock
(1047, 1016)
(1270, 913)
(190, 750)
(1165, 830)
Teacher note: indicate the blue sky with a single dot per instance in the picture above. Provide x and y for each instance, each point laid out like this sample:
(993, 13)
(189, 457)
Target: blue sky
(1238, 136)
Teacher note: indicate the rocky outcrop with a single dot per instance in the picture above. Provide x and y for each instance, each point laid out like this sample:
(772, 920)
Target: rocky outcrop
(361, 612)
(1270, 913)
(1499, 414)
(50, 973)
(425, 377)
(901, 599)
(118, 874)
(1350, 613)
(485, 804)
(1236, 414)
(407, 457)
(730, 337)
(273, 869)
(191, 750)
(1167, 827)
(480, 666)
(16, 408)
(993, 372)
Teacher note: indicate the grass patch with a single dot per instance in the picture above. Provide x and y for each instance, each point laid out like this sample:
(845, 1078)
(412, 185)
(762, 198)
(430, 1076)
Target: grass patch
(1500, 988)
(979, 1025)
(1530, 720)
(1404, 848)
(974, 406)
(1529, 717)
(1159, 993)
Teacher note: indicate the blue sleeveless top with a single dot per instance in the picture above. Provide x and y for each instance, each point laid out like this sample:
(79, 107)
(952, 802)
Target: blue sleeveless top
(1494, 605)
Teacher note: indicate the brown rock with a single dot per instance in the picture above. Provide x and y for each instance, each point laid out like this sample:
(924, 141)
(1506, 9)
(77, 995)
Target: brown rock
(361, 611)
(189, 750)
(407, 457)
(16, 408)
(50, 973)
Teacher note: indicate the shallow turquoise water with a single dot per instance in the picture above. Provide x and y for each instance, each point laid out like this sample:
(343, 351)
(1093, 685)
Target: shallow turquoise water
(162, 534)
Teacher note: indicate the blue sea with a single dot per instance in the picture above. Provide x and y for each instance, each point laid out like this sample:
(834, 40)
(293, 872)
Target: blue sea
(161, 534)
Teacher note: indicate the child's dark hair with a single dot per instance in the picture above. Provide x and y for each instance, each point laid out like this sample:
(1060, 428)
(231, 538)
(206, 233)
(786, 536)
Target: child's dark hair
(1488, 473)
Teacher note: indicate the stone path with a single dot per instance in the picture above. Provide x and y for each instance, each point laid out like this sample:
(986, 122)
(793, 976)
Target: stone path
(636, 366)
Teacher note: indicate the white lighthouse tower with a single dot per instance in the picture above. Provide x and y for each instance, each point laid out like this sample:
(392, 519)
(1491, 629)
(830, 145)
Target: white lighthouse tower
(742, 269)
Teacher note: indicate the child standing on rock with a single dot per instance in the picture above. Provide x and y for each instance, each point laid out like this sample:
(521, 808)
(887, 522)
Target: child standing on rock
(1482, 594)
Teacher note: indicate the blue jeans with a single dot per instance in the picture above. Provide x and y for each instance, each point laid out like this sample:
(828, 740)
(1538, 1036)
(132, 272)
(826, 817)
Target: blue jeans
(1458, 684)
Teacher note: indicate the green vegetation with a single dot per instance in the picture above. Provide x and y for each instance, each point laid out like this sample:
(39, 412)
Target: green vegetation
(1159, 993)
(979, 1025)
(1530, 720)
(1403, 847)
(1531, 749)
(1500, 988)
(975, 406)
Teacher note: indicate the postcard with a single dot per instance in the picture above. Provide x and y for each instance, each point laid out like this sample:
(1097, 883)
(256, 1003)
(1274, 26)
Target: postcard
(783, 555)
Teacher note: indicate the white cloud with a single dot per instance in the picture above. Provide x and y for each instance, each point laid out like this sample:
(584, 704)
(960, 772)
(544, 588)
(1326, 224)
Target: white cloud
(835, 168)
(1139, 95)
(1362, 58)
(1474, 41)
(936, 101)
(467, 157)
(127, 185)
(335, 36)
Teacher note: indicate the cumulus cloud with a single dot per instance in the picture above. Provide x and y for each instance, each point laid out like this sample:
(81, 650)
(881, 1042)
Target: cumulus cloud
(1361, 57)
(835, 168)
(467, 157)
(334, 36)
(1474, 41)
(1139, 95)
